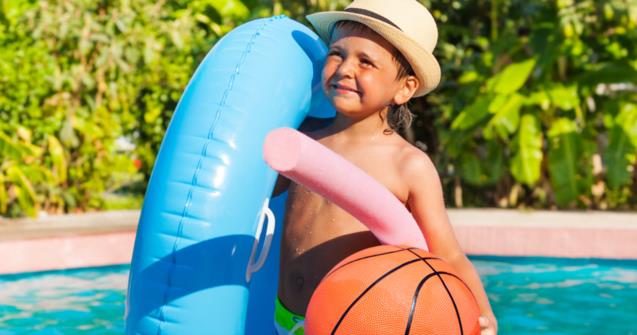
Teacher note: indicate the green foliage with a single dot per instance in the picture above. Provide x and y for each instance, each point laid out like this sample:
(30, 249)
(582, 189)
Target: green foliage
(527, 145)
(569, 161)
(551, 87)
(537, 107)
(622, 147)
(78, 75)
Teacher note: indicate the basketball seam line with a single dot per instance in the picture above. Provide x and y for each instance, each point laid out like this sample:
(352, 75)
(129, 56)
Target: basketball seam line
(375, 255)
(415, 299)
(369, 288)
(367, 257)
(453, 301)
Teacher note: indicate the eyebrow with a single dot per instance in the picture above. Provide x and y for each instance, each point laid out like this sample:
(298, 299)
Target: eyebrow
(359, 54)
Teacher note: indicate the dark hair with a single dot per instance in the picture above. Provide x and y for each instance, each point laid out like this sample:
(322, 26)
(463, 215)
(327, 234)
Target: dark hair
(398, 116)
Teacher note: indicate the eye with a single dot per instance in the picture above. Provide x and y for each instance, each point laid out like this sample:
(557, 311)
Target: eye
(335, 53)
(367, 63)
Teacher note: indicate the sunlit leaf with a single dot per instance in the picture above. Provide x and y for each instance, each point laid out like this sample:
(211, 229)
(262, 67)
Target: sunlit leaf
(13, 10)
(497, 103)
(67, 134)
(472, 115)
(24, 134)
(512, 78)
(177, 39)
(540, 99)
(527, 161)
(506, 119)
(231, 8)
(16, 149)
(564, 97)
(627, 119)
(4, 197)
(25, 201)
(151, 50)
(468, 77)
(26, 193)
(57, 156)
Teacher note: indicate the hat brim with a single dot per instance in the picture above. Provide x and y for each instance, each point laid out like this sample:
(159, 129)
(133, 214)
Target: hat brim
(424, 64)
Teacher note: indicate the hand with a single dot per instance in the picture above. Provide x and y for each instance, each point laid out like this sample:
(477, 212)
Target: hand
(488, 325)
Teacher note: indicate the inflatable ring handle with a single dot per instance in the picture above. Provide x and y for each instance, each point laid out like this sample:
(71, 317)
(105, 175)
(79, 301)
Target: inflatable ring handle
(266, 212)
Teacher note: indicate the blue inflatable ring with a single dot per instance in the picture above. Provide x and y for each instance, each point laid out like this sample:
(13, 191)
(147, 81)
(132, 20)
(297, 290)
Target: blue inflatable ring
(204, 214)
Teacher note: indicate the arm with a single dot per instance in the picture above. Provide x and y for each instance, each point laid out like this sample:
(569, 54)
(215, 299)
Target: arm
(426, 203)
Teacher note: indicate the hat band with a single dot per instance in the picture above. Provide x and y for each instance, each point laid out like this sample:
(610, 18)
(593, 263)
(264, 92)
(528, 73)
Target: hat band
(371, 14)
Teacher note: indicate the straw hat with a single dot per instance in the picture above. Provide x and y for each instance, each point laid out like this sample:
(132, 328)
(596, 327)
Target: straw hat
(406, 24)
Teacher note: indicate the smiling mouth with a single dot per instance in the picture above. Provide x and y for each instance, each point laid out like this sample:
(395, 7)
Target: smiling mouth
(343, 89)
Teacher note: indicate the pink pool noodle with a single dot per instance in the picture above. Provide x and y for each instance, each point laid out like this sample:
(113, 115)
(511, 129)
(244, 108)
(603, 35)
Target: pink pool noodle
(311, 164)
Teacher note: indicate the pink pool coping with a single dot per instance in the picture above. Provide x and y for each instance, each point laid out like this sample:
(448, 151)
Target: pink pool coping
(60, 242)
(107, 238)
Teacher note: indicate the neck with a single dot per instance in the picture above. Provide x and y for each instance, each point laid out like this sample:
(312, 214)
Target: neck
(371, 125)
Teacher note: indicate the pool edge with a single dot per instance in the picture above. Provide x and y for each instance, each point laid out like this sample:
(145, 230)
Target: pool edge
(107, 238)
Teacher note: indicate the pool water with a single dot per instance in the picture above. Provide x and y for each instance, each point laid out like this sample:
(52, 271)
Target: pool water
(529, 296)
(554, 296)
(86, 301)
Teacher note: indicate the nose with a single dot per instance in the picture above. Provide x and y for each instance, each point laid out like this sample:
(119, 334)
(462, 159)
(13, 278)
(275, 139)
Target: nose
(346, 68)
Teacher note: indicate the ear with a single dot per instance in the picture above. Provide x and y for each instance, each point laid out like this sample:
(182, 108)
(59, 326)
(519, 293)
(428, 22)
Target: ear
(408, 88)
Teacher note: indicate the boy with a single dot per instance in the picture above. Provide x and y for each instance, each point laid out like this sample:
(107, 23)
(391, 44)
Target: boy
(380, 56)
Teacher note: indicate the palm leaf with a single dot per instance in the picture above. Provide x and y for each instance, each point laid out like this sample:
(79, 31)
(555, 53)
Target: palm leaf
(619, 157)
(512, 78)
(565, 151)
(527, 161)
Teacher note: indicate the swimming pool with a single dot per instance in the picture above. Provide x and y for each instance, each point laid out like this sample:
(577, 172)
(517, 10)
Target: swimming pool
(557, 296)
(529, 295)
(85, 301)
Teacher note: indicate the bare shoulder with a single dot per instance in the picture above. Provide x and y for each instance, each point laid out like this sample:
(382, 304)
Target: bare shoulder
(414, 163)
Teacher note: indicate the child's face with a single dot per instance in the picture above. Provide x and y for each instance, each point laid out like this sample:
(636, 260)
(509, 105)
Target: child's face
(360, 74)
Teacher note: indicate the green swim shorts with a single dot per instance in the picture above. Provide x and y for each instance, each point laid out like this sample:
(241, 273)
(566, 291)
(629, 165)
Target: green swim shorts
(286, 322)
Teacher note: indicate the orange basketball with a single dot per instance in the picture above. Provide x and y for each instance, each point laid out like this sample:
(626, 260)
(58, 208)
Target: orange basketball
(392, 290)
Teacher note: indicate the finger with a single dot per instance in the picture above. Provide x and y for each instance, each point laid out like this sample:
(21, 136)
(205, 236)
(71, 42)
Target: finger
(487, 332)
(483, 321)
